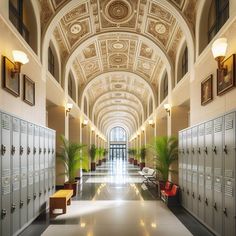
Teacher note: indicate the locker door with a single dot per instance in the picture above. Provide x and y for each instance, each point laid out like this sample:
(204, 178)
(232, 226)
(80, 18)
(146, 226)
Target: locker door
(180, 162)
(229, 174)
(218, 161)
(208, 173)
(36, 170)
(5, 174)
(23, 163)
(46, 180)
(41, 177)
(184, 159)
(49, 163)
(189, 169)
(15, 206)
(195, 169)
(54, 160)
(30, 154)
(201, 193)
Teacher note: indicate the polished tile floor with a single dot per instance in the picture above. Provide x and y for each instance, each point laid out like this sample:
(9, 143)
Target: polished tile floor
(113, 201)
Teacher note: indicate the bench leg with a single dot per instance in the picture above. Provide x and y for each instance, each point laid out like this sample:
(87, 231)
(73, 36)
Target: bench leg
(69, 202)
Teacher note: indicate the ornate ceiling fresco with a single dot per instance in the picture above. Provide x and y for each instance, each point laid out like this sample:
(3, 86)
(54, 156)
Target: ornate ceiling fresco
(118, 36)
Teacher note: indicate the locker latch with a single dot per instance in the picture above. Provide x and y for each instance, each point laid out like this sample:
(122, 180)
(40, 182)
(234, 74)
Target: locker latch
(44, 150)
(35, 195)
(199, 198)
(205, 150)
(199, 150)
(214, 150)
(13, 207)
(225, 150)
(49, 189)
(225, 211)
(187, 191)
(21, 204)
(21, 150)
(193, 195)
(28, 200)
(3, 149)
(215, 206)
(35, 150)
(193, 151)
(28, 150)
(40, 193)
(183, 151)
(3, 213)
(49, 151)
(13, 150)
(187, 151)
(45, 191)
(206, 201)
(40, 150)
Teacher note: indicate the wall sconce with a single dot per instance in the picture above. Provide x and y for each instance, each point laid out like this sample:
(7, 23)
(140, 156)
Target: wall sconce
(138, 133)
(68, 108)
(143, 129)
(20, 58)
(92, 129)
(151, 123)
(167, 108)
(219, 48)
(85, 122)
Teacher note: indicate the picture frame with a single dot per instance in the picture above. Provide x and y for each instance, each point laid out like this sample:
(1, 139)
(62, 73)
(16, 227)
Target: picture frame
(28, 90)
(10, 81)
(226, 80)
(207, 90)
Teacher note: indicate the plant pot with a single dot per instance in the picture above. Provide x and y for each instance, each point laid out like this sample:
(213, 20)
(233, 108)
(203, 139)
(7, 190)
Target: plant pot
(142, 164)
(93, 166)
(131, 160)
(99, 162)
(73, 186)
(135, 162)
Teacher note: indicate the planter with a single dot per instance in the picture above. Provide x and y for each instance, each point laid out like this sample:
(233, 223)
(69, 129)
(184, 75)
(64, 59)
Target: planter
(142, 164)
(100, 162)
(104, 159)
(93, 166)
(135, 162)
(131, 160)
(73, 186)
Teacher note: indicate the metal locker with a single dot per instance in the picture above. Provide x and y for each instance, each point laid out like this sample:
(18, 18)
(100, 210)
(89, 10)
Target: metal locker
(201, 194)
(189, 170)
(15, 159)
(41, 176)
(30, 155)
(23, 164)
(184, 160)
(208, 200)
(5, 174)
(36, 170)
(189, 191)
(46, 161)
(194, 193)
(229, 175)
(200, 151)
(54, 159)
(180, 164)
(217, 164)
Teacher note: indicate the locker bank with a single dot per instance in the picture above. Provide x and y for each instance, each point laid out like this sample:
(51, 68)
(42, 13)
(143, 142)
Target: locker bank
(117, 117)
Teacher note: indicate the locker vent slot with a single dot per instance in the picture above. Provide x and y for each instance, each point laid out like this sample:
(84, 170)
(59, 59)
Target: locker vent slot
(30, 179)
(194, 178)
(30, 131)
(6, 172)
(6, 187)
(36, 132)
(208, 129)
(218, 185)
(41, 132)
(200, 168)
(201, 130)
(36, 177)
(229, 173)
(229, 190)
(194, 132)
(16, 125)
(189, 177)
(201, 180)
(217, 171)
(218, 126)
(23, 128)
(208, 170)
(6, 122)
(208, 183)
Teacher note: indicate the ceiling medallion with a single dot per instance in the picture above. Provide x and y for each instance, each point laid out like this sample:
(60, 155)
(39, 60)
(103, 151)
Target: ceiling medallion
(160, 28)
(118, 45)
(118, 94)
(118, 59)
(118, 11)
(146, 66)
(75, 28)
(118, 86)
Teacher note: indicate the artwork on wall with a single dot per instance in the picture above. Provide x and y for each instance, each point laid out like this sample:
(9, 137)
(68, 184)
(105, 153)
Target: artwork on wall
(10, 82)
(226, 77)
(207, 90)
(29, 91)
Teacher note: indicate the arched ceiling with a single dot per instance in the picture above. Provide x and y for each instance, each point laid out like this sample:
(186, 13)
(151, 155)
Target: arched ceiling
(114, 59)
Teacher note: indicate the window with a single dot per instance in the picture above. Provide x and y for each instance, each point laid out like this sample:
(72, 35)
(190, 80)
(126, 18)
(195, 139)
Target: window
(218, 15)
(118, 134)
(150, 106)
(85, 106)
(185, 62)
(165, 86)
(16, 16)
(70, 86)
(51, 62)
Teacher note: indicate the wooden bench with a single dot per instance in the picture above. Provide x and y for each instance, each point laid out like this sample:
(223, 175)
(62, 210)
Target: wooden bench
(60, 200)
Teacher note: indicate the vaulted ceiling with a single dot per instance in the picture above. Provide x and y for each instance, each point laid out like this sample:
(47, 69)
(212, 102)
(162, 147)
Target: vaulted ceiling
(118, 49)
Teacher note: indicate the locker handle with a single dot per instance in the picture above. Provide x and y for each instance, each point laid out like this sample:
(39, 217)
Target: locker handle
(40, 150)
(35, 150)
(225, 149)
(199, 198)
(225, 211)
(214, 150)
(3, 213)
(3, 149)
(35, 196)
(13, 150)
(205, 150)
(49, 151)
(199, 150)
(13, 207)
(193, 151)
(53, 151)
(206, 201)
(45, 191)
(187, 151)
(193, 195)
(40, 193)
(215, 206)
(183, 151)
(49, 189)
(44, 150)
(28, 150)
(21, 150)
(21, 204)
(187, 191)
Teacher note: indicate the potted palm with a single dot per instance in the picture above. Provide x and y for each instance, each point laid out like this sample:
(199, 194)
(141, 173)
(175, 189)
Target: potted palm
(73, 158)
(92, 153)
(142, 157)
(166, 152)
(99, 152)
(130, 152)
(104, 154)
(136, 156)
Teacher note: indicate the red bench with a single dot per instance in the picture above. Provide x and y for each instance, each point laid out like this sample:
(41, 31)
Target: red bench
(171, 197)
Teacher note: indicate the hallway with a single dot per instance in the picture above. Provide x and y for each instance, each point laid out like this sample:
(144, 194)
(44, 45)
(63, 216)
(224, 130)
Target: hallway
(113, 201)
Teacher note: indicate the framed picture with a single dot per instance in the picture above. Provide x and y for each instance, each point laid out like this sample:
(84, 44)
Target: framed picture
(29, 91)
(10, 81)
(226, 79)
(207, 90)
